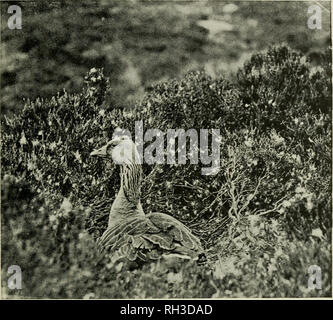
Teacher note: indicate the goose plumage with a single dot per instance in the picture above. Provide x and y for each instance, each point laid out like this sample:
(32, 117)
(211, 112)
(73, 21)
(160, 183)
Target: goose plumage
(130, 232)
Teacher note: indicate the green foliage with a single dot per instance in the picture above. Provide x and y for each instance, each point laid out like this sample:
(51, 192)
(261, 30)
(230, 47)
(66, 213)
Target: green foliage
(264, 218)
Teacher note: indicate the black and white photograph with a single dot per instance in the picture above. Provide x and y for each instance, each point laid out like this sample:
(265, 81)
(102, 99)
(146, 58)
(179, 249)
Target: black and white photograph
(170, 149)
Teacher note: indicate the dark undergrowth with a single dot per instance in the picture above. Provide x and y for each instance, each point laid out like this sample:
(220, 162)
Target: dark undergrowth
(264, 218)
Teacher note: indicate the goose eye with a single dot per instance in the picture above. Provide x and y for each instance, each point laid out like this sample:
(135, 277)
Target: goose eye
(110, 145)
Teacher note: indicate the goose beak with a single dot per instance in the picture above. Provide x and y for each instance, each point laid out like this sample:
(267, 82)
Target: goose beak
(101, 152)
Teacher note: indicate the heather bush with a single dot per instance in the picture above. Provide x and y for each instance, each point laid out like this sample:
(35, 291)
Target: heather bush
(264, 218)
(280, 85)
(44, 235)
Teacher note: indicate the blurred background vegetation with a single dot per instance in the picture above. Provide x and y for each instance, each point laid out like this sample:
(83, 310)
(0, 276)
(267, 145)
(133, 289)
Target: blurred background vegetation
(140, 42)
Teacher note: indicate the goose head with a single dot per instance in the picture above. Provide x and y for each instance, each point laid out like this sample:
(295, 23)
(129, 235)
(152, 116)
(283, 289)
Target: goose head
(121, 149)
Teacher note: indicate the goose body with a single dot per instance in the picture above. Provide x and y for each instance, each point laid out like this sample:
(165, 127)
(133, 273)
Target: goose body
(149, 237)
(130, 232)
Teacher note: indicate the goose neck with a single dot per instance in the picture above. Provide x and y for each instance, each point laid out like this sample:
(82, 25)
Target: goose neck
(131, 176)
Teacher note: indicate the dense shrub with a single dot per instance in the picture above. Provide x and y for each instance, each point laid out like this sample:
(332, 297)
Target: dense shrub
(45, 236)
(276, 174)
(56, 136)
(287, 142)
(257, 259)
(279, 86)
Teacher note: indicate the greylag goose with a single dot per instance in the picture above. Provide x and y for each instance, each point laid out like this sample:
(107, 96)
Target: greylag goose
(131, 233)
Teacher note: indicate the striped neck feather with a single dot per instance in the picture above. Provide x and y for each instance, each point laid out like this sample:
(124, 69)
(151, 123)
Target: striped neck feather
(131, 176)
